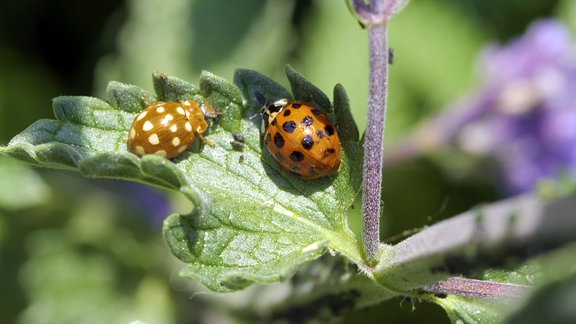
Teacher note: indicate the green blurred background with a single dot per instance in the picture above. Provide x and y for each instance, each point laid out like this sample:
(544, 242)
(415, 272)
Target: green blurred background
(75, 250)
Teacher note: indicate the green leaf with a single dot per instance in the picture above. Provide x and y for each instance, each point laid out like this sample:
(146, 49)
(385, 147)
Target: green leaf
(304, 90)
(251, 221)
(170, 88)
(125, 97)
(347, 128)
(223, 94)
(473, 310)
(251, 82)
(349, 136)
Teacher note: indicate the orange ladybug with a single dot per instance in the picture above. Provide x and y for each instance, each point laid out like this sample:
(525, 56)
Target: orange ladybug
(301, 138)
(169, 128)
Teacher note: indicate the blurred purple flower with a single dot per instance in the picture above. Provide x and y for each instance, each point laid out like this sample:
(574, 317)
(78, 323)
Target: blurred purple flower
(153, 204)
(150, 203)
(525, 113)
(528, 121)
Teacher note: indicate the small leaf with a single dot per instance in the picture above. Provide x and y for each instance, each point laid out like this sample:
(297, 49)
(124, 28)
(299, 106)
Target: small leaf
(169, 88)
(224, 96)
(347, 128)
(251, 82)
(304, 90)
(127, 97)
(353, 153)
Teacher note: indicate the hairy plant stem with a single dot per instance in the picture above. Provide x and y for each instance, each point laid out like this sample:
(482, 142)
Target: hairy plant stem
(477, 288)
(375, 16)
(374, 140)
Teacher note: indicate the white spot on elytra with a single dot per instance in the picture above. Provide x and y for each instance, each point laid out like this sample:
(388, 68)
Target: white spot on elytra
(139, 150)
(176, 141)
(153, 139)
(174, 128)
(182, 148)
(142, 115)
(161, 153)
(166, 120)
(180, 110)
(188, 126)
(132, 133)
(147, 126)
(160, 109)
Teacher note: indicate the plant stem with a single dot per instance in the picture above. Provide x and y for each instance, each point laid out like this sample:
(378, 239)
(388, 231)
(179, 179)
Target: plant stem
(374, 139)
(375, 17)
(477, 288)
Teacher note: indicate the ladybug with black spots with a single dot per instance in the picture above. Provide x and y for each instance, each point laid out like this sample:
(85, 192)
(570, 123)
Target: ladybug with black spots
(301, 138)
(169, 128)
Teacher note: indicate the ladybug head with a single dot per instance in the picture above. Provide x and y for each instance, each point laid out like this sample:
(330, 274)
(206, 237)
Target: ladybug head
(209, 111)
(270, 112)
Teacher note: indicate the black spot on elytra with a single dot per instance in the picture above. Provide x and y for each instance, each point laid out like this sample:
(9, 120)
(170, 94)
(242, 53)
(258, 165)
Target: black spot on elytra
(331, 150)
(296, 105)
(307, 142)
(289, 126)
(278, 140)
(316, 111)
(308, 121)
(297, 156)
(329, 130)
(320, 134)
(287, 112)
(273, 123)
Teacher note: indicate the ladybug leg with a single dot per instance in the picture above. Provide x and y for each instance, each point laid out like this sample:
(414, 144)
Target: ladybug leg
(205, 140)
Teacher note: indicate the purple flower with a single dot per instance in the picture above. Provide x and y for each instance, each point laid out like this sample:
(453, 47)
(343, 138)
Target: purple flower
(545, 46)
(150, 204)
(153, 204)
(525, 116)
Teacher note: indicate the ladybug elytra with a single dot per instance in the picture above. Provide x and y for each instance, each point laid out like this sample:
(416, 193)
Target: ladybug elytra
(169, 128)
(301, 138)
